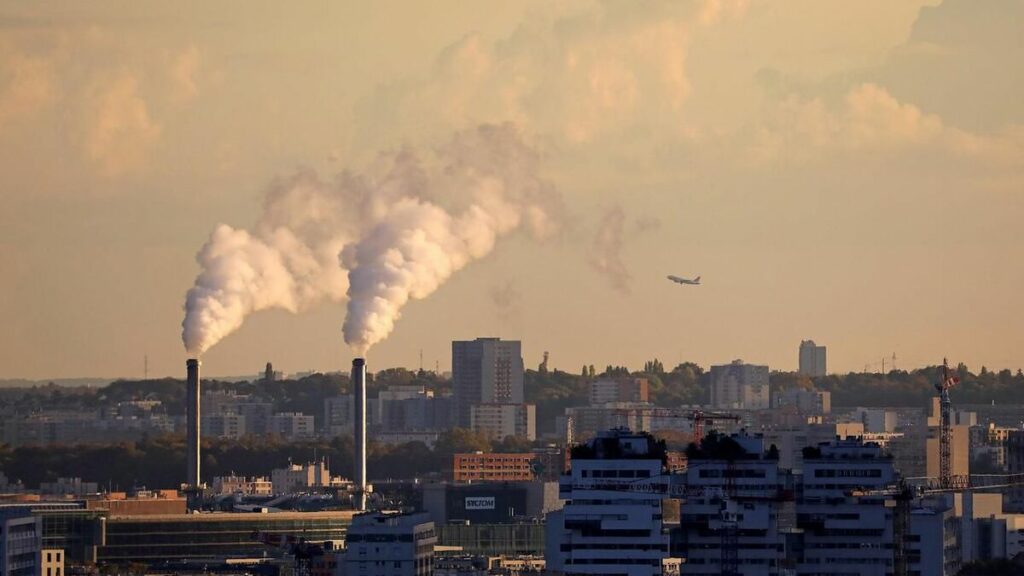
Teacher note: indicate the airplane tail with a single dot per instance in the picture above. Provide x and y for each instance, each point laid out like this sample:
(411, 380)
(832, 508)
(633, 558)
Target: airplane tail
(697, 279)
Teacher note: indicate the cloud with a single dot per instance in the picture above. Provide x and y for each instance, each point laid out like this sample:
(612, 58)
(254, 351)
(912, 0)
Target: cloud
(121, 131)
(960, 61)
(870, 120)
(573, 80)
(26, 85)
(183, 74)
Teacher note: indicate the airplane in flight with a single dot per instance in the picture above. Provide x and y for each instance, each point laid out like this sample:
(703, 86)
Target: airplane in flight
(678, 280)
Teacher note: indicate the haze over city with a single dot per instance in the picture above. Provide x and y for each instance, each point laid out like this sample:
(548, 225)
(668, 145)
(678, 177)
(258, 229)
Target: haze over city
(847, 171)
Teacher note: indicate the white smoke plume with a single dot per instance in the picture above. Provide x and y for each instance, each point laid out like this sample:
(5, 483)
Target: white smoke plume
(395, 232)
(492, 180)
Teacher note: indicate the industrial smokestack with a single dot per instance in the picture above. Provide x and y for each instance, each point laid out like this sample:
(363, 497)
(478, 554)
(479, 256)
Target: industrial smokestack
(192, 409)
(359, 393)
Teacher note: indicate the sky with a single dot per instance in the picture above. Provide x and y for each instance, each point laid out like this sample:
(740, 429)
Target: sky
(848, 172)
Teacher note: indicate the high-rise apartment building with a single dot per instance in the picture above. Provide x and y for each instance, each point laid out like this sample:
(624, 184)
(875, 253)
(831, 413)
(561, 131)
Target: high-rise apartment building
(486, 371)
(739, 386)
(812, 359)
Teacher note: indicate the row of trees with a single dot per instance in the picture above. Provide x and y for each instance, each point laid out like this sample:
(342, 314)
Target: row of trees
(159, 462)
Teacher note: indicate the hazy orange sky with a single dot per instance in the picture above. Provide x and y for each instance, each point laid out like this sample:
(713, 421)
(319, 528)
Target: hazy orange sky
(851, 172)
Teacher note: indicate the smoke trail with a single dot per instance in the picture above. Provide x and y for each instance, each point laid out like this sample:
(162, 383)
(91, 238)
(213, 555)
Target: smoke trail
(290, 258)
(401, 229)
(492, 176)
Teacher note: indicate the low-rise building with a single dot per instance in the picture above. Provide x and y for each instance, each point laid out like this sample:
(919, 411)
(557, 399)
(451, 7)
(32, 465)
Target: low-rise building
(254, 486)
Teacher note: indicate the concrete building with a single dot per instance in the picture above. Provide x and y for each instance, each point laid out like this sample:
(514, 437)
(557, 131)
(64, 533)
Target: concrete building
(625, 389)
(606, 528)
(223, 425)
(255, 486)
(807, 402)
(68, 487)
(51, 562)
(21, 536)
(843, 532)
(302, 478)
(583, 422)
(486, 371)
(383, 544)
(875, 420)
(293, 425)
(812, 359)
(730, 521)
(502, 420)
(739, 386)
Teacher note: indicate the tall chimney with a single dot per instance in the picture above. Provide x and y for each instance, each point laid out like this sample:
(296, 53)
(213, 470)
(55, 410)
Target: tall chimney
(192, 398)
(359, 394)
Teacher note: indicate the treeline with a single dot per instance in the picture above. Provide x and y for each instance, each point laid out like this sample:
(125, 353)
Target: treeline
(159, 462)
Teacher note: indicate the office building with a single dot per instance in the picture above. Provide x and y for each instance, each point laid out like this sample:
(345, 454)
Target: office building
(386, 544)
(500, 421)
(489, 502)
(739, 386)
(20, 542)
(812, 359)
(605, 527)
(213, 536)
(625, 389)
(486, 371)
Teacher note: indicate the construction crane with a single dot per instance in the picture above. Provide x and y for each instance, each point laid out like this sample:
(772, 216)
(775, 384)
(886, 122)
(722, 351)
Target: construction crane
(945, 426)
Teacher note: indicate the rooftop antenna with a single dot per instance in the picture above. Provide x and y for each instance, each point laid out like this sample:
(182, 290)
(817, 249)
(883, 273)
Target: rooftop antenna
(145, 367)
(893, 360)
(421, 359)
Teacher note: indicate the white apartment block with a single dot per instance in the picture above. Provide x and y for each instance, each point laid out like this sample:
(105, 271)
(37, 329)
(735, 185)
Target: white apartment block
(844, 512)
(607, 526)
(729, 521)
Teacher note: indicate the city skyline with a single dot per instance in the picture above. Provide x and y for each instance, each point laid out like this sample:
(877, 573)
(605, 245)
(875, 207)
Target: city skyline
(845, 172)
